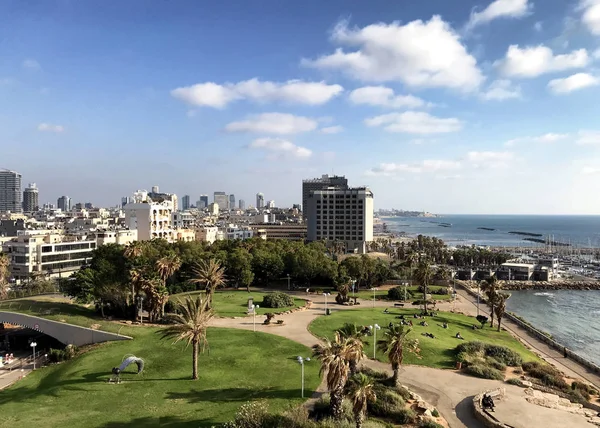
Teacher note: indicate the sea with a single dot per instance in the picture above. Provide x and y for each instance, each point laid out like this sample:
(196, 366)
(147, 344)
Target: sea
(579, 231)
(572, 317)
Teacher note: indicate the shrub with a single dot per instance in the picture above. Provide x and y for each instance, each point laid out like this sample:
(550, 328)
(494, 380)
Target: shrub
(277, 300)
(579, 396)
(388, 401)
(321, 408)
(546, 374)
(518, 370)
(403, 392)
(170, 307)
(515, 381)
(397, 293)
(484, 372)
(503, 354)
(435, 413)
(492, 362)
(470, 347)
(429, 424)
(403, 416)
(582, 387)
(374, 374)
(251, 415)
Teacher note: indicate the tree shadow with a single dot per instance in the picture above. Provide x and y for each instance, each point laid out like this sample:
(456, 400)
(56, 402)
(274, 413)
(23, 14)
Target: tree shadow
(234, 395)
(164, 421)
(43, 307)
(465, 412)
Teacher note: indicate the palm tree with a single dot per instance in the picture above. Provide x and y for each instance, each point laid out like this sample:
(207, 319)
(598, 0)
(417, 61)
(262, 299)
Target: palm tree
(4, 265)
(490, 288)
(190, 324)
(211, 274)
(394, 343)
(423, 275)
(361, 393)
(334, 361)
(166, 267)
(133, 252)
(500, 307)
(411, 260)
(352, 334)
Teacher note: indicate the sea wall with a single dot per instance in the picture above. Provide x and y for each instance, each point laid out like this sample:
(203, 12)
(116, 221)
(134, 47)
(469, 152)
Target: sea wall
(545, 285)
(541, 336)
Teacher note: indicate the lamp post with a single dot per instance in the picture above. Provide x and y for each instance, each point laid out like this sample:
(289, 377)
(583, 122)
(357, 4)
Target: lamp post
(301, 361)
(353, 287)
(325, 294)
(254, 308)
(478, 287)
(374, 329)
(33, 345)
(141, 308)
(288, 278)
(374, 290)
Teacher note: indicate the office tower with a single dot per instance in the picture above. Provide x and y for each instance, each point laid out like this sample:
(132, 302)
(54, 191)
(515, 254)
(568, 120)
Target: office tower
(64, 203)
(221, 199)
(155, 189)
(341, 215)
(203, 201)
(89, 206)
(260, 200)
(185, 202)
(320, 183)
(242, 204)
(271, 204)
(10, 191)
(31, 198)
(231, 202)
(125, 200)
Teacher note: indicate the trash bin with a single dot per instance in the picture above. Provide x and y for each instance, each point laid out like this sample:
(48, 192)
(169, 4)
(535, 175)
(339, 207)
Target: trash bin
(328, 311)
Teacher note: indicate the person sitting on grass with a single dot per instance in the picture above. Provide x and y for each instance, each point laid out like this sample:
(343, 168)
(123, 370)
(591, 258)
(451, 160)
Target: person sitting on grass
(458, 336)
(386, 311)
(424, 323)
(445, 325)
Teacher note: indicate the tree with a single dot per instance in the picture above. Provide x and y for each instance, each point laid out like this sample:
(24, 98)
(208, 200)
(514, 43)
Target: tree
(352, 334)
(393, 344)
(361, 393)
(500, 307)
(490, 288)
(190, 325)
(211, 274)
(334, 361)
(4, 272)
(166, 267)
(239, 267)
(423, 275)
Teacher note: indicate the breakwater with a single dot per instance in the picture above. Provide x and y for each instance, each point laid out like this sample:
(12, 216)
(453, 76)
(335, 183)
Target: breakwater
(544, 285)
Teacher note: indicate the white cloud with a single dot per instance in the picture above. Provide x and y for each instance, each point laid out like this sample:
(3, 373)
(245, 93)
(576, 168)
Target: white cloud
(281, 148)
(538, 26)
(413, 122)
(500, 9)
(549, 137)
(588, 170)
(31, 64)
(533, 61)
(419, 54)
(588, 138)
(488, 159)
(332, 129)
(384, 97)
(500, 90)
(273, 123)
(214, 95)
(428, 165)
(596, 54)
(572, 83)
(48, 127)
(591, 15)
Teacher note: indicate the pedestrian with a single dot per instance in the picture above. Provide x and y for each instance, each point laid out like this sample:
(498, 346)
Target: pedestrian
(565, 352)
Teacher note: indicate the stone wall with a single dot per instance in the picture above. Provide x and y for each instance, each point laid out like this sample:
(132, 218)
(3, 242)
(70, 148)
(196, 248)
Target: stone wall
(484, 416)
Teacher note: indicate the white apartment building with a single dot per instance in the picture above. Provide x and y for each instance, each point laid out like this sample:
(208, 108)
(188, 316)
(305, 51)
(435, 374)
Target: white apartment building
(342, 215)
(151, 219)
(120, 237)
(207, 234)
(183, 220)
(51, 255)
(232, 232)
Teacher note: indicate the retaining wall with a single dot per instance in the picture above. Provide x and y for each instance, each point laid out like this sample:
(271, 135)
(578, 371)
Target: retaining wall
(484, 416)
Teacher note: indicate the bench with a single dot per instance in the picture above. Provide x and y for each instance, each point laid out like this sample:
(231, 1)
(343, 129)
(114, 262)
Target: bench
(399, 305)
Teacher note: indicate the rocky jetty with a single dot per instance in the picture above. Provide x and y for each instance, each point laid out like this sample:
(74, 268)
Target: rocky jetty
(544, 285)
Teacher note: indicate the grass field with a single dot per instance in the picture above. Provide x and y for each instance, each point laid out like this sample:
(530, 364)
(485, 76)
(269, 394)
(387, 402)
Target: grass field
(239, 367)
(382, 294)
(235, 303)
(438, 352)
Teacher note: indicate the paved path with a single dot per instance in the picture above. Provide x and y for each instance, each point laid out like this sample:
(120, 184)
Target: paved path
(7, 377)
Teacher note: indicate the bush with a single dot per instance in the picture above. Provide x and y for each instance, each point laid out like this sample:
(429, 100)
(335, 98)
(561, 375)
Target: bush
(170, 307)
(546, 374)
(492, 362)
(374, 374)
(388, 401)
(251, 415)
(484, 372)
(435, 413)
(403, 416)
(403, 392)
(277, 300)
(515, 381)
(503, 354)
(429, 424)
(579, 396)
(470, 347)
(518, 370)
(397, 293)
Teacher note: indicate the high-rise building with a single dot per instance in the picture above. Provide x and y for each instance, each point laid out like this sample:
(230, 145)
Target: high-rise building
(88, 206)
(271, 204)
(231, 201)
(260, 200)
(155, 189)
(10, 191)
(125, 200)
(64, 203)
(203, 201)
(221, 199)
(320, 183)
(152, 219)
(341, 215)
(31, 198)
(185, 202)
(242, 204)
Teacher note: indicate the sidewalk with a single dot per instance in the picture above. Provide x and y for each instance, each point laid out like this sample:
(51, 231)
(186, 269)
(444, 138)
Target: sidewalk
(7, 378)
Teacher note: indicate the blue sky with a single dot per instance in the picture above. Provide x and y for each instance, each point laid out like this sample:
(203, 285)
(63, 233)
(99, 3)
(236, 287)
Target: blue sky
(467, 106)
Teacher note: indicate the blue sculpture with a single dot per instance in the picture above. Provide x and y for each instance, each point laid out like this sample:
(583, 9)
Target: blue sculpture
(127, 360)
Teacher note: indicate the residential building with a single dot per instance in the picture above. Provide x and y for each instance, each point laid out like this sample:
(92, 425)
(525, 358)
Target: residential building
(203, 202)
(157, 196)
(324, 182)
(271, 204)
(185, 203)
(125, 200)
(342, 215)
(64, 203)
(119, 236)
(10, 192)
(242, 204)
(186, 235)
(287, 231)
(233, 232)
(183, 220)
(231, 202)
(221, 199)
(515, 271)
(207, 234)
(88, 206)
(260, 201)
(151, 219)
(30, 198)
(52, 255)
(213, 209)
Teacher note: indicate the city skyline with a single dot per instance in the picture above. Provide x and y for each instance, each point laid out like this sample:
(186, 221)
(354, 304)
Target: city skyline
(487, 106)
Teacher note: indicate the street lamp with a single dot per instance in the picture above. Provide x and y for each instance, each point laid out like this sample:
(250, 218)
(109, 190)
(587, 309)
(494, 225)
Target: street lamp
(33, 345)
(301, 361)
(325, 294)
(374, 329)
(374, 290)
(254, 308)
(353, 287)
(478, 287)
(141, 308)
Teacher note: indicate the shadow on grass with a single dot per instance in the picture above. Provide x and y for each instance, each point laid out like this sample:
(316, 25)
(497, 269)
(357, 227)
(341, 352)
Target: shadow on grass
(43, 307)
(166, 421)
(234, 394)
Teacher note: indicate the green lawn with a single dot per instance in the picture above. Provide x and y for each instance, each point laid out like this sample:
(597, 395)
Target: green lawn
(235, 303)
(438, 352)
(240, 366)
(382, 294)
